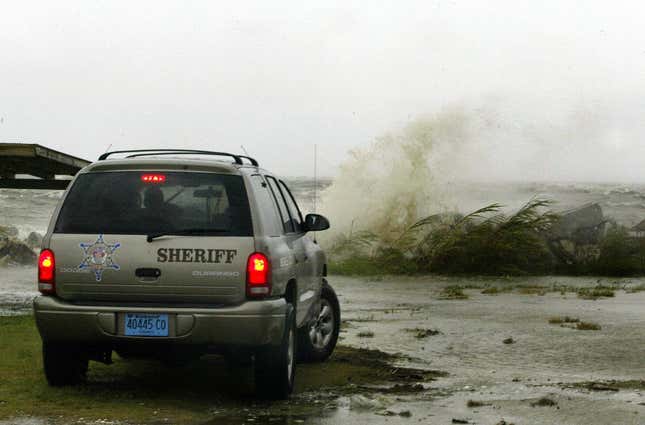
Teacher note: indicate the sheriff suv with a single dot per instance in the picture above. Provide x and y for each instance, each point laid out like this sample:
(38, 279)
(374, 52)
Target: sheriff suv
(172, 254)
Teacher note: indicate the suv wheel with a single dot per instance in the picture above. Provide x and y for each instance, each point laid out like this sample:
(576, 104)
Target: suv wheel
(318, 340)
(64, 364)
(275, 367)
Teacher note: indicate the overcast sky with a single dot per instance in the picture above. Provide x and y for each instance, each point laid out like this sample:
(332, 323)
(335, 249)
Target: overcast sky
(281, 76)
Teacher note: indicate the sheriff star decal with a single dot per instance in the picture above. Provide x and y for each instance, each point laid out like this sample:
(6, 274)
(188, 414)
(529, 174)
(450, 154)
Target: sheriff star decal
(98, 257)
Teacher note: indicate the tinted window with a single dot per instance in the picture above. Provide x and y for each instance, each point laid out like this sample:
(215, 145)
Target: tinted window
(284, 213)
(123, 203)
(296, 217)
(267, 205)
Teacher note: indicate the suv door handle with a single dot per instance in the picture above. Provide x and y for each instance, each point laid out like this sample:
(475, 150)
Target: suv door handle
(147, 272)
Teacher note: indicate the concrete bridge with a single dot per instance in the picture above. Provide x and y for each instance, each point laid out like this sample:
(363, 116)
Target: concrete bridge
(41, 163)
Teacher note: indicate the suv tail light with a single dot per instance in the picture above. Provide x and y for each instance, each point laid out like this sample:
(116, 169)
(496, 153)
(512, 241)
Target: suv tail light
(46, 272)
(258, 272)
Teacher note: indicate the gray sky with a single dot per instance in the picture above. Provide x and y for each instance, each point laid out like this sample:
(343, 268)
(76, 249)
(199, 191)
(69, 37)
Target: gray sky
(279, 77)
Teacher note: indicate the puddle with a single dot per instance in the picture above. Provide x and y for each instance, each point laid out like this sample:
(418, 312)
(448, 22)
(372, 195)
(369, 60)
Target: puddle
(17, 290)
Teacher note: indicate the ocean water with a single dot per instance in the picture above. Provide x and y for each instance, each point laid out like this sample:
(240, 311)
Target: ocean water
(30, 210)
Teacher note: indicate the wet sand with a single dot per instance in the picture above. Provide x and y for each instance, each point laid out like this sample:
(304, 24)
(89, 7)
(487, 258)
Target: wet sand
(586, 376)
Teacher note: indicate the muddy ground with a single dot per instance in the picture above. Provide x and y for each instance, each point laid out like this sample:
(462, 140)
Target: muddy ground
(530, 351)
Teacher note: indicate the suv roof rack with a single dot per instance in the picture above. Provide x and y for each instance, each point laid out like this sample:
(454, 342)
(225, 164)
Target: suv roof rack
(252, 160)
(151, 152)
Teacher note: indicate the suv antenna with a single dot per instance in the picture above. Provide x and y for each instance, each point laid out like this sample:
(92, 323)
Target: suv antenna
(315, 183)
(315, 176)
(244, 150)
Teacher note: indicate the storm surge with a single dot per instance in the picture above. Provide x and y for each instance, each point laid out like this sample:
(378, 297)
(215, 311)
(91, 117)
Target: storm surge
(386, 186)
(492, 150)
(446, 191)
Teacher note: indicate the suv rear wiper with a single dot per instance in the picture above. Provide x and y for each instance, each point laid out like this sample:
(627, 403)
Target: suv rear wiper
(185, 232)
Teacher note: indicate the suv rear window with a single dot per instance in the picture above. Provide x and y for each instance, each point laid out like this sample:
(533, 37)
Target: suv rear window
(145, 202)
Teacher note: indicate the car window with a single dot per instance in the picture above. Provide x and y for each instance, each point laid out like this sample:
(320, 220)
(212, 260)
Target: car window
(266, 203)
(280, 200)
(136, 202)
(296, 216)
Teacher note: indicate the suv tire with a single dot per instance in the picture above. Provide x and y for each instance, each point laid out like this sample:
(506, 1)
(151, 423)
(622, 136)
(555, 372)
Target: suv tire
(64, 364)
(275, 366)
(317, 340)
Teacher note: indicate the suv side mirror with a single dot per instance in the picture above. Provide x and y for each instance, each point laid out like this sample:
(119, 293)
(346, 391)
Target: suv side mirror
(315, 223)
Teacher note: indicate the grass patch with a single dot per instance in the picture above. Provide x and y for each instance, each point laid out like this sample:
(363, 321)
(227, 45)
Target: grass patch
(588, 326)
(493, 290)
(366, 319)
(453, 292)
(475, 403)
(355, 267)
(562, 320)
(421, 333)
(496, 290)
(487, 242)
(620, 255)
(484, 242)
(533, 290)
(610, 386)
(638, 288)
(574, 323)
(396, 389)
(544, 402)
(147, 392)
(594, 293)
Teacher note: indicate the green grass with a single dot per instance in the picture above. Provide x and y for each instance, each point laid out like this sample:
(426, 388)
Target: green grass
(493, 290)
(496, 290)
(561, 320)
(596, 292)
(574, 323)
(145, 391)
(533, 290)
(587, 326)
(356, 266)
(637, 288)
(453, 292)
(135, 391)
(544, 402)
(485, 242)
(421, 333)
(613, 385)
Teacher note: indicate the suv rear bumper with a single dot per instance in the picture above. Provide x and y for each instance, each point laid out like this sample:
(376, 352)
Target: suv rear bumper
(251, 324)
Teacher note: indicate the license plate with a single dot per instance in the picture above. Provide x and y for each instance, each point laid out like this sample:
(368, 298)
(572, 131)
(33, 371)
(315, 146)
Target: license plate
(140, 324)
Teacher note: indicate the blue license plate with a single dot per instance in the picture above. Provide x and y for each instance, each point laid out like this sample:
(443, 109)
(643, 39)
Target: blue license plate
(143, 324)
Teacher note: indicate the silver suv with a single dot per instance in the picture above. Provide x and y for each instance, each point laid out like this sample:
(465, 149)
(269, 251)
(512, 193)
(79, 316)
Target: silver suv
(161, 256)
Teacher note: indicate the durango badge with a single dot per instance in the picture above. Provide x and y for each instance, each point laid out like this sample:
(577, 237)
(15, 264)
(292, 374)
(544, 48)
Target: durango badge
(98, 257)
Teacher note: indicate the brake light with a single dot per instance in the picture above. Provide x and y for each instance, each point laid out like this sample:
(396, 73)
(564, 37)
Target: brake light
(153, 178)
(258, 272)
(46, 272)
